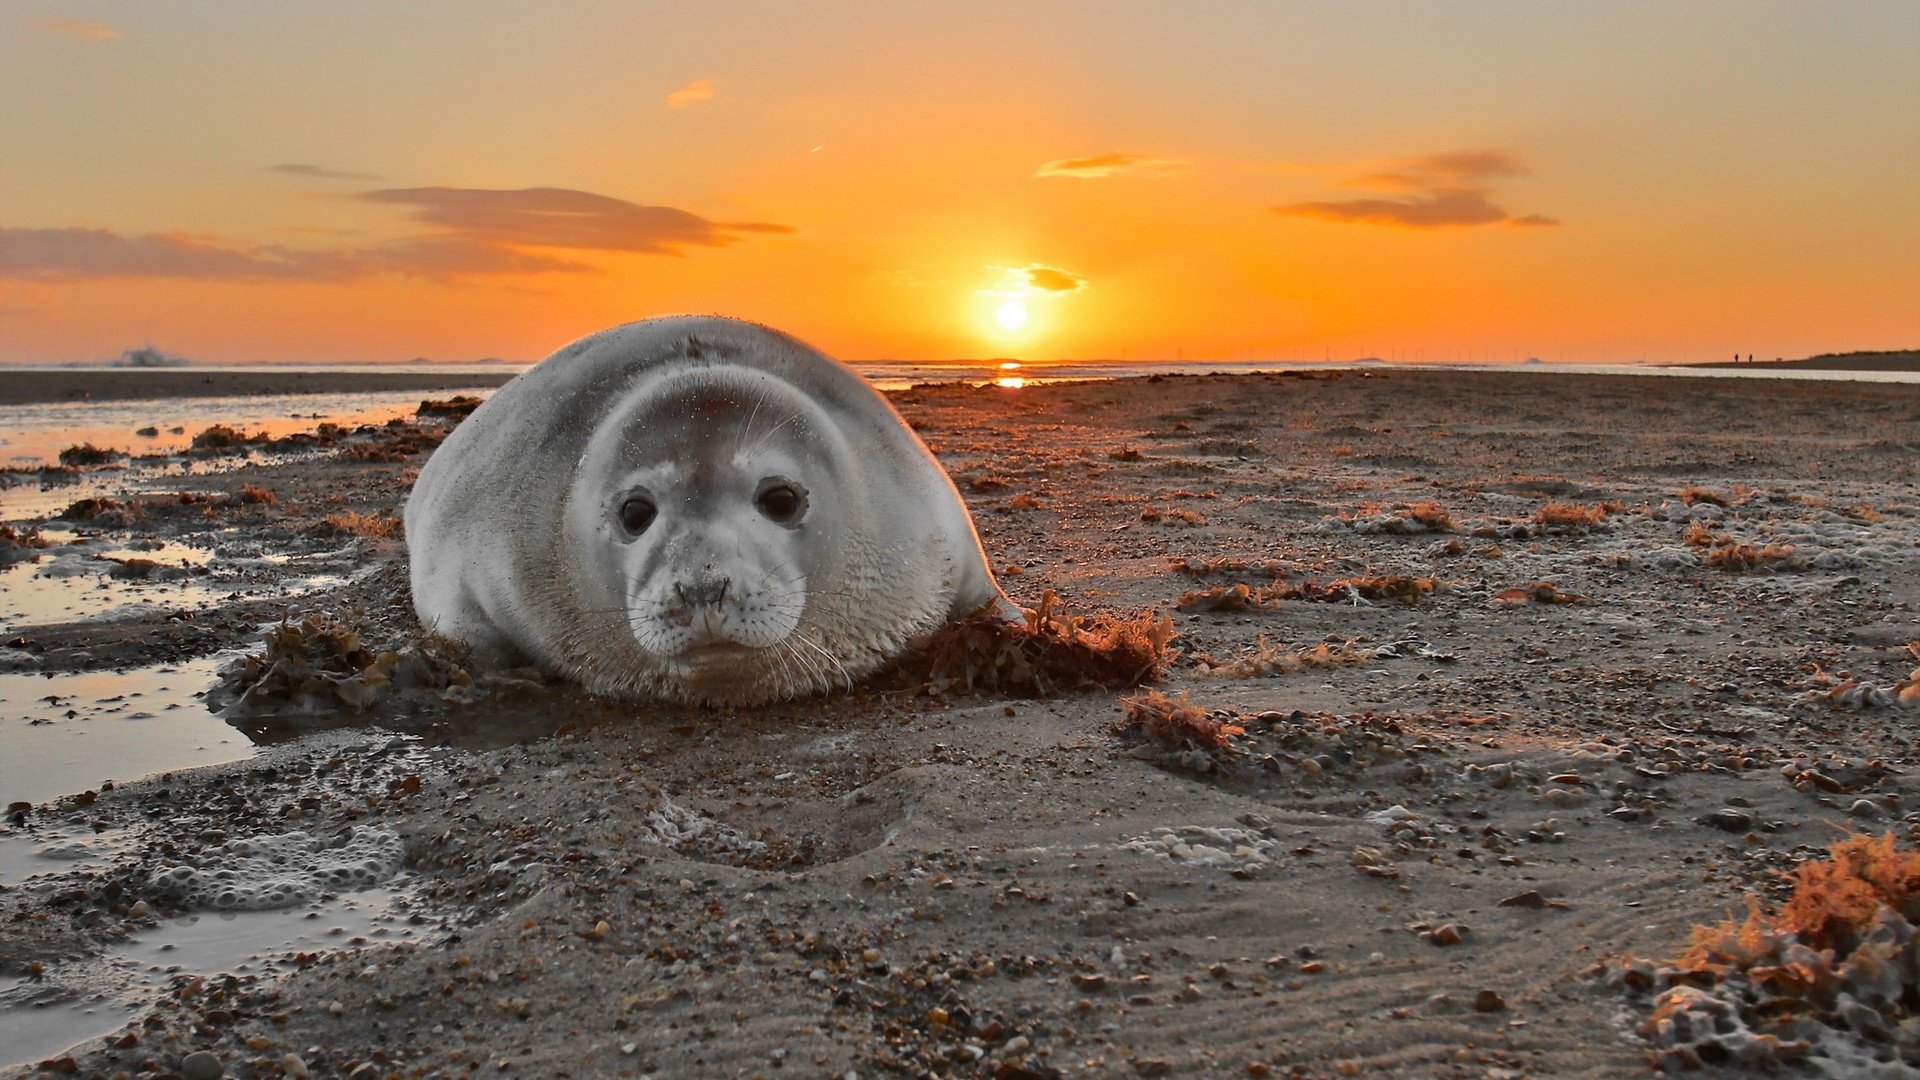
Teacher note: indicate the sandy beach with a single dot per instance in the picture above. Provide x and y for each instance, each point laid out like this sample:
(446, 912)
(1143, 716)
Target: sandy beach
(1528, 674)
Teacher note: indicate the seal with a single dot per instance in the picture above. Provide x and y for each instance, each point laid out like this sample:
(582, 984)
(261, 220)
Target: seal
(691, 509)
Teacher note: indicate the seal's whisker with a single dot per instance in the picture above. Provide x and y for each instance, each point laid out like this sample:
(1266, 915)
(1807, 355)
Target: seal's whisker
(824, 655)
(760, 443)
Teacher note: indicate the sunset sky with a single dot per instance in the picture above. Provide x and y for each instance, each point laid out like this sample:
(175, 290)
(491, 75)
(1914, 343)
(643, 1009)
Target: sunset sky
(1215, 181)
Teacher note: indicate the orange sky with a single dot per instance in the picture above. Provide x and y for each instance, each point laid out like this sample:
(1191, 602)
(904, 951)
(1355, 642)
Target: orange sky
(1258, 180)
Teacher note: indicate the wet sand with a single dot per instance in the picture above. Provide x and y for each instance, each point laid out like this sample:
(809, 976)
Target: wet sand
(1418, 858)
(155, 384)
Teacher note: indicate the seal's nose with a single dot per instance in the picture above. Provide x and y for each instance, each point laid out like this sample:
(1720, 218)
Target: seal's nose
(706, 593)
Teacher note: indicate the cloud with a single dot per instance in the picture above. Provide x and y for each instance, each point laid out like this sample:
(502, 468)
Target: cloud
(562, 218)
(1100, 165)
(54, 254)
(318, 172)
(89, 254)
(1033, 279)
(77, 29)
(1049, 279)
(482, 232)
(693, 93)
(1435, 191)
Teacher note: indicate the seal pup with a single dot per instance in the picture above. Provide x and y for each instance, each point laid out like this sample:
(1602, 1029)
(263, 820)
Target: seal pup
(694, 509)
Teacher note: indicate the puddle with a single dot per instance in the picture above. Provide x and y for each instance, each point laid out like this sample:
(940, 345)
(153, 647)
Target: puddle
(67, 733)
(79, 1002)
(78, 578)
(53, 850)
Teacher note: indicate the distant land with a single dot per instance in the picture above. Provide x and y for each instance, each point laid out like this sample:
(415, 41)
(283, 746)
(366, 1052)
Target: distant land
(32, 387)
(1891, 360)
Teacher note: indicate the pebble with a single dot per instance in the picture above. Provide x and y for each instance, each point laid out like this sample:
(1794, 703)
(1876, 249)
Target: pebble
(1731, 820)
(200, 1065)
(294, 1067)
(1488, 1001)
(1865, 808)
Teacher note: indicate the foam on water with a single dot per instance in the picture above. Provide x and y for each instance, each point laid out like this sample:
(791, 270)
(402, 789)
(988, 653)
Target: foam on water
(267, 872)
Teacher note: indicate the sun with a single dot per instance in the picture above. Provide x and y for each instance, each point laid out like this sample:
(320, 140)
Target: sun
(1012, 315)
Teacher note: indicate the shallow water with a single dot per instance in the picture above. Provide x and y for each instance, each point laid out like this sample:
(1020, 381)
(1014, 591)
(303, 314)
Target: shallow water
(68, 733)
(37, 1023)
(35, 434)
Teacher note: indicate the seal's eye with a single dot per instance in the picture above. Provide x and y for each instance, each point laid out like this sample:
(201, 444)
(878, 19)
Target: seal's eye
(636, 514)
(782, 503)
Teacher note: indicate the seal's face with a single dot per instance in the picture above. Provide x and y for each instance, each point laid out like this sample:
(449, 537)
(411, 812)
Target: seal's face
(714, 515)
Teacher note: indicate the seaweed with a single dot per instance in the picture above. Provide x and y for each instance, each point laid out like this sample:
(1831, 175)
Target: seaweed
(1570, 518)
(1266, 659)
(457, 407)
(320, 664)
(88, 454)
(1835, 960)
(1176, 722)
(1048, 652)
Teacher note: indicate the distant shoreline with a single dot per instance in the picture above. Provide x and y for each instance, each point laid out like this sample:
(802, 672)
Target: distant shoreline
(38, 387)
(1908, 360)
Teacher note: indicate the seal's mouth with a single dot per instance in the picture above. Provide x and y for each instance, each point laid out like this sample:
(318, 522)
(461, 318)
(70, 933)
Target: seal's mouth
(715, 652)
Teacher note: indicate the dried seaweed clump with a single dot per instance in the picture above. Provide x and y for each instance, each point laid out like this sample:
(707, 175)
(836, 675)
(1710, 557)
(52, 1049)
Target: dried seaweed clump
(220, 438)
(1407, 590)
(396, 444)
(1266, 658)
(1200, 567)
(459, 406)
(1834, 973)
(1694, 495)
(1725, 553)
(1426, 517)
(1561, 518)
(22, 545)
(1356, 590)
(1175, 723)
(88, 454)
(359, 523)
(319, 664)
(1228, 598)
(1154, 515)
(101, 511)
(1050, 651)
(1839, 690)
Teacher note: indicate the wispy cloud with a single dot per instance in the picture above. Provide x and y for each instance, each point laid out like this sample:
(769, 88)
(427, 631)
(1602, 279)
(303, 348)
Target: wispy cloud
(55, 254)
(562, 218)
(85, 254)
(1102, 165)
(1429, 192)
(691, 94)
(319, 172)
(1033, 279)
(78, 29)
(480, 232)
